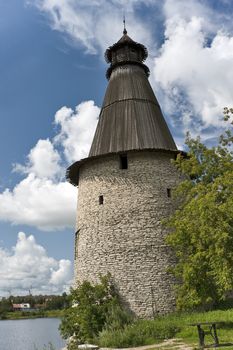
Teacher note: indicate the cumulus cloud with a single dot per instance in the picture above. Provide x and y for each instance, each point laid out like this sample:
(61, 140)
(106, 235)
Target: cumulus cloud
(191, 68)
(43, 198)
(191, 71)
(77, 129)
(43, 161)
(196, 73)
(59, 276)
(212, 19)
(37, 202)
(28, 266)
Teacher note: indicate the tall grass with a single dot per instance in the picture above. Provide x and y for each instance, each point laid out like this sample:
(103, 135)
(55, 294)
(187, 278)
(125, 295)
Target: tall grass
(189, 333)
(141, 332)
(145, 332)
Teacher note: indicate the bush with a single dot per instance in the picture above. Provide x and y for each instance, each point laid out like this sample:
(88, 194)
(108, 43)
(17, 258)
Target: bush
(224, 304)
(98, 316)
(117, 318)
(3, 315)
(141, 332)
(94, 307)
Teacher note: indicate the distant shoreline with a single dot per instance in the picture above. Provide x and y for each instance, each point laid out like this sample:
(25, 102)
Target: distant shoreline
(21, 315)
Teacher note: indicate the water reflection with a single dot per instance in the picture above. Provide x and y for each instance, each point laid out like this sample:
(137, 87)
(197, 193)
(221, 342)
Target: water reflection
(30, 334)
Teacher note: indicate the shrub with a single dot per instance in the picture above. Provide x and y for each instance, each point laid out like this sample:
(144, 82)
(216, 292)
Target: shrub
(94, 306)
(98, 316)
(117, 318)
(141, 332)
(3, 315)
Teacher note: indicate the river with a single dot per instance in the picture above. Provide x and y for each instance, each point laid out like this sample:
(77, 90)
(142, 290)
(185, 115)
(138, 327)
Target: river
(30, 334)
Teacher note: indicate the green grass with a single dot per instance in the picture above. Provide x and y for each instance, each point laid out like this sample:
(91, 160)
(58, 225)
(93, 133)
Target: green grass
(17, 315)
(175, 325)
(189, 333)
(142, 332)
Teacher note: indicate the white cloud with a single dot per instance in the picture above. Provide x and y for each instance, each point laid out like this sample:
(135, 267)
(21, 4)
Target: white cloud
(95, 24)
(43, 161)
(194, 73)
(43, 198)
(77, 129)
(40, 203)
(28, 266)
(192, 70)
(185, 10)
(59, 276)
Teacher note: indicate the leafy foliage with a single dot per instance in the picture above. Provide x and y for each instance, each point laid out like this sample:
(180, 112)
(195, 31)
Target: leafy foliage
(93, 306)
(146, 332)
(5, 306)
(140, 332)
(57, 302)
(202, 227)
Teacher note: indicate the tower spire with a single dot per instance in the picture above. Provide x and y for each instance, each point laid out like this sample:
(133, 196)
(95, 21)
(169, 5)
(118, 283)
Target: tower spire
(124, 31)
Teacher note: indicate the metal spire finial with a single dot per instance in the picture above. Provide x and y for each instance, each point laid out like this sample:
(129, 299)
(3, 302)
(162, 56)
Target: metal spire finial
(124, 31)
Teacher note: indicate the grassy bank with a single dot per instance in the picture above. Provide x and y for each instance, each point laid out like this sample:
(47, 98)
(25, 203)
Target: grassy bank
(17, 315)
(189, 333)
(175, 325)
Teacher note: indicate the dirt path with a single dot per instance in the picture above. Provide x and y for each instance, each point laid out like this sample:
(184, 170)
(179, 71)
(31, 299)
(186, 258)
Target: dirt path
(171, 344)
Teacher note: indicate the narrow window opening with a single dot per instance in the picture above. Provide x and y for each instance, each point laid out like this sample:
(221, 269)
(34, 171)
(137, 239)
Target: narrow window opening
(169, 192)
(76, 244)
(123, 161)
(101, 199)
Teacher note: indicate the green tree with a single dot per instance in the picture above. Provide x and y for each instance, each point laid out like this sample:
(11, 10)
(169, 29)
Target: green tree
(57, 302)
(92, 306)
(202, 227)
(5, 306)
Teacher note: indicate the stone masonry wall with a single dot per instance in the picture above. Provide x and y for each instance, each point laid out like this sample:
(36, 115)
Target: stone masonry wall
(124, 235)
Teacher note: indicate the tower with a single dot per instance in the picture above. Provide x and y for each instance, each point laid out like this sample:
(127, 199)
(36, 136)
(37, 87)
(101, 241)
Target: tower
(125, 188)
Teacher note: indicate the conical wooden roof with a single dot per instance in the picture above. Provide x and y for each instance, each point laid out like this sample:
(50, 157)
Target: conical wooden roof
(130, 118)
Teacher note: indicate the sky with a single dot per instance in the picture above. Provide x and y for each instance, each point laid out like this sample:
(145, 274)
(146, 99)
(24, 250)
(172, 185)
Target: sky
(52, 85)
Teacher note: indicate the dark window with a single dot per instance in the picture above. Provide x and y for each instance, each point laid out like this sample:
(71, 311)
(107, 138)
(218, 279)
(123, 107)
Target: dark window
(169, 192)
(76, 244)
(123, 161)
(101, 199)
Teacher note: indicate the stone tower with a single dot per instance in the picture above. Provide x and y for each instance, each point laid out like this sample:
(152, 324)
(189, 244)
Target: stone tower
(125, 188)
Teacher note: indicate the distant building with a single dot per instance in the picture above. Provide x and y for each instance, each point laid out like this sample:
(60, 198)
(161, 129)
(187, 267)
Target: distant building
(21, 307)
(125, 189)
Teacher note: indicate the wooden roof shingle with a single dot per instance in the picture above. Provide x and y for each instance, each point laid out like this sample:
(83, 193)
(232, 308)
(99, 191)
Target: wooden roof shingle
(130, 118)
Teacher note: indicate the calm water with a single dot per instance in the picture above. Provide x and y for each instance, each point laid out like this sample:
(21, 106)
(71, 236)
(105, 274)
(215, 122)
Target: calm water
(30, 334)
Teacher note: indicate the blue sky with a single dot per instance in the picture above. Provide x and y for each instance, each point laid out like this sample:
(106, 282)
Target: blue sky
(52, 85)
